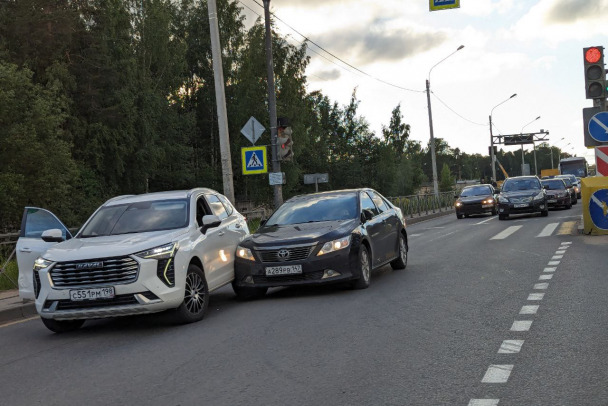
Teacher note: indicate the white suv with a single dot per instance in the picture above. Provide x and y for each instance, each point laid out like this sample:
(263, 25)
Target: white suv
(136, 254)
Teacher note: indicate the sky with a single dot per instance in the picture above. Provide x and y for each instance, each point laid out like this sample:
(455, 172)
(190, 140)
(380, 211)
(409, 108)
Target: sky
(532, 48)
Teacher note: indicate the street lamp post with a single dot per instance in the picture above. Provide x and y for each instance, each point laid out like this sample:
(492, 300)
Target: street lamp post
(552, 167)
(492, 137)
(533, 146)
(428, 100)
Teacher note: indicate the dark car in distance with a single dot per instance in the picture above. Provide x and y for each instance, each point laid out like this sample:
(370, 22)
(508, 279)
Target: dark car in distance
(573, 184)
(558, 194)
(321, 238)
(476, 199)
(520, 195)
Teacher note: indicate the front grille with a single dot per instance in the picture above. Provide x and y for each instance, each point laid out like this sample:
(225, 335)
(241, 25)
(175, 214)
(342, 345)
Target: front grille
(520, 199)
(286, 254)
(165, 270)
(310, 276)
(118, 300)
(36, 283)
(118, 270)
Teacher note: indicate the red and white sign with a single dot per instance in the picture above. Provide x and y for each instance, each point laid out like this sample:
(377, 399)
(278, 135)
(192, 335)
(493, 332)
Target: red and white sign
(601, 161)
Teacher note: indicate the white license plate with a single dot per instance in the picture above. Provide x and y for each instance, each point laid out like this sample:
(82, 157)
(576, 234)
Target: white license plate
(518, 205)
(283, 270)
(485, 206)
(552, 201)
(91, 294)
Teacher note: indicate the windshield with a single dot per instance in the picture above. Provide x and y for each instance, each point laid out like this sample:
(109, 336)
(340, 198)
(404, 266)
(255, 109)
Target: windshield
(512, 185)
(476, 191)
(316, 208)
(137, 217)
(554, 184)
(567, 181)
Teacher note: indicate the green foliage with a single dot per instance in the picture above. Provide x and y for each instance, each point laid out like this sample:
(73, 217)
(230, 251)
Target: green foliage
(446, 182)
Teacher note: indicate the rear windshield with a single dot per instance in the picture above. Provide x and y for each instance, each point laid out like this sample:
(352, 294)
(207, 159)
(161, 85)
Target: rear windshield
(137, 217)
(567, 181)
(476, 191)
(315, 208)
(512, 185)
(554, 184)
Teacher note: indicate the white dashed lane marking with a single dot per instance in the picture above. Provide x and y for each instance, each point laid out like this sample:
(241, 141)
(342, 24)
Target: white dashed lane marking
(556, 257)
(545, 277)
(521, 325)
(506, 232)
(484, 402)
(497, 374)
(543, 285)
(553, 263)
(549, 269)
(536, 296)
(562, 252)
(510, 346)
(548, 230)
(529, 309)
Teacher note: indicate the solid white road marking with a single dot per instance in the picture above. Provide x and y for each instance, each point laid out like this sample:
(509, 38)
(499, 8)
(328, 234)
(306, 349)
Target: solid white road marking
(415, 235)
(485, 221)
(521, 325)
(549, 269)
(529, 309)
(545, 277)
(556, 257)
(544, 285)
(548, 230)
(484, 402)
(497, 374)
(510, 346)
(553, 263)
(536, 296)
(506, 232)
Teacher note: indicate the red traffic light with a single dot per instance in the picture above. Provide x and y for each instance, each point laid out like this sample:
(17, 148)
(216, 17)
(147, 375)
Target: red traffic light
(593, 55)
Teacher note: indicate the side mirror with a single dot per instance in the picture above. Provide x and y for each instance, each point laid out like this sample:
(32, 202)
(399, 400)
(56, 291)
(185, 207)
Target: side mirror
(366, 215)
(52, 235)
(210, 221)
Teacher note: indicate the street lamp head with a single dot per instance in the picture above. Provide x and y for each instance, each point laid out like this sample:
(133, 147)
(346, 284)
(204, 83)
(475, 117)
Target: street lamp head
(513, 95)
(460, 47)
(537, 118)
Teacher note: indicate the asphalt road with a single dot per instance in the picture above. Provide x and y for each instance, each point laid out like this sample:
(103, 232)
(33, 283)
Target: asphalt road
(427, 335)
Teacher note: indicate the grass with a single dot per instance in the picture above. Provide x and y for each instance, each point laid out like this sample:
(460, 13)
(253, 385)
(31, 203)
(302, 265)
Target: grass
(12, 272)
(253, 224)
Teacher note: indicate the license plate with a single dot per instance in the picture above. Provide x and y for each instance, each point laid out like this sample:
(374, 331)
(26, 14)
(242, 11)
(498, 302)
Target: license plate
(519, 205)
(552, 201)
(91, 294)
(283, 270)
(485, 206)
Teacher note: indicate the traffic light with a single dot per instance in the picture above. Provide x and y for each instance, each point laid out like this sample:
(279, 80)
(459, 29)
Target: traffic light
(284, 143)
(595, 75)
(495, 150)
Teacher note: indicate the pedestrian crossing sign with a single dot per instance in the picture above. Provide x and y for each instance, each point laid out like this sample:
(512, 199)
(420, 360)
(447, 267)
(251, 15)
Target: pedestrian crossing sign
(254, 160)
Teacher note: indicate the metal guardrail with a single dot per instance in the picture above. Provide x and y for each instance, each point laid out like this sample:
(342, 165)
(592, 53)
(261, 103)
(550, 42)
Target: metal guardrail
(424, 204)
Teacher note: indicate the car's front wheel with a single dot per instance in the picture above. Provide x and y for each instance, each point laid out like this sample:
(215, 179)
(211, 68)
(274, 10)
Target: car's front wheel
(196, 296)
(365, 269)
(248, 292)
(459, 216)
(401, 261)
(62, 326)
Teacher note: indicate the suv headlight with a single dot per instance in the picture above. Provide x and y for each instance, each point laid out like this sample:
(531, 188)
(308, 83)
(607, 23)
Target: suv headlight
(539, 196)
(335, 245)
(244, 253)
(42, 263)
(162, 252)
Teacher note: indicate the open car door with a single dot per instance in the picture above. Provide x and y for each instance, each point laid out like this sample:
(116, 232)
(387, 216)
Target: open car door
(30, 244)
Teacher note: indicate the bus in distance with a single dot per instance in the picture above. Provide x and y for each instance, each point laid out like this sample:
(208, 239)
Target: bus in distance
(576, 166)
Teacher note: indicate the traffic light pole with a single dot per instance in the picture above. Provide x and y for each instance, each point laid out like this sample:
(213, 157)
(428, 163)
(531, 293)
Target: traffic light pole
(492, 151)
(272, 107)
(433, 159)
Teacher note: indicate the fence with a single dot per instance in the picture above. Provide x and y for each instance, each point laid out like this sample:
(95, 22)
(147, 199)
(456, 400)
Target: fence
(7, 252)
(424, 204)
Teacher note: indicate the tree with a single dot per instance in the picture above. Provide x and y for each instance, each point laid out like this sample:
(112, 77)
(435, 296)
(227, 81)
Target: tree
(446, 182)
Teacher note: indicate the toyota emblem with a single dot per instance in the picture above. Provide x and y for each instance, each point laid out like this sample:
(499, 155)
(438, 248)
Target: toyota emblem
(283, 255)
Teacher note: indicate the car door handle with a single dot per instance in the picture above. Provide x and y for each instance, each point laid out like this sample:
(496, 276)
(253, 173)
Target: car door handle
(25, 250)
(221, 233)
(237, 225)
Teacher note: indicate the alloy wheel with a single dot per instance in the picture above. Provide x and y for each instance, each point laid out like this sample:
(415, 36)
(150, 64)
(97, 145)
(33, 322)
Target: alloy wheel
(195, 294)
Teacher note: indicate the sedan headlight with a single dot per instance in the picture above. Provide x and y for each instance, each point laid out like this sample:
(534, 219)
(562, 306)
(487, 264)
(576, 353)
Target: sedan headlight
(488, 201)
(42, 263)
(244, 253)
(458, 204)
(162, 252)
(335, 245)
(539, 196)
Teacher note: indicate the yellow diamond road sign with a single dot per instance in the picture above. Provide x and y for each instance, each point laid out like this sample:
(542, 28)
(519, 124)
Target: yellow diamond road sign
(254, 160)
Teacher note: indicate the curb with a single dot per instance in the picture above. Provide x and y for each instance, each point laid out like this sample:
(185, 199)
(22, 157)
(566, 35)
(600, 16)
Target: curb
(414, 220)
(15, 313)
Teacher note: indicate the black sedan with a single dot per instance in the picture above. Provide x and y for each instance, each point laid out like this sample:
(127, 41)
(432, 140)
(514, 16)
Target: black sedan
(522, 194)
(557, 193)
(328, 237)
(477, 199)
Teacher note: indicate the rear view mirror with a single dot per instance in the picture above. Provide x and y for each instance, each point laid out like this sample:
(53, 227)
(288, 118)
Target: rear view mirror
(210, 221)
(52, 235)
(367, 215)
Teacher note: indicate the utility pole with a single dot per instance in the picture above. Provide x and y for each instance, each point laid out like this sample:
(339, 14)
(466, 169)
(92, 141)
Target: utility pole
(492, 151)
(433, 159)
(272, 107)
(220, 98)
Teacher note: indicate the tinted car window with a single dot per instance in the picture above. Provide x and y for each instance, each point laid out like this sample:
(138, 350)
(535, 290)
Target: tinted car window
(368, 204)
(216, 206)
(567, 181)
(379, 202)
(314, 208)
(512, 185)
(227, 205)
(476, 191)
(39, 221)
(554, 184)
(137, 217)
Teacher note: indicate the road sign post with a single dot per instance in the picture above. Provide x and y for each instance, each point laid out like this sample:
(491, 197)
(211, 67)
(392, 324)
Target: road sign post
(252, 130)
(316, 178)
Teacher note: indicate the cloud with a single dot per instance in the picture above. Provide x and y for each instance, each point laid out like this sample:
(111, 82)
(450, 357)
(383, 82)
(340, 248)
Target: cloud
(567, 11)
(326, 75)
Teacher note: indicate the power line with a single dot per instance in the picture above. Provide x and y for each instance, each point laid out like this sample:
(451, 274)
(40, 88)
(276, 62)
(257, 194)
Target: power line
(453, 111)
(336, 57)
